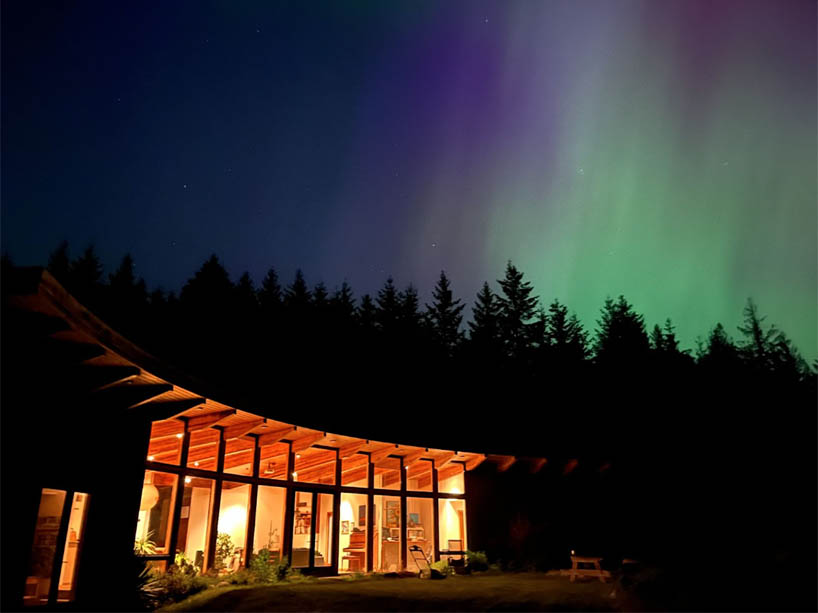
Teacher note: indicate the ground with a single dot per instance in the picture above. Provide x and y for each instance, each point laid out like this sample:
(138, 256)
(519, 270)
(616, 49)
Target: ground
(500, 592)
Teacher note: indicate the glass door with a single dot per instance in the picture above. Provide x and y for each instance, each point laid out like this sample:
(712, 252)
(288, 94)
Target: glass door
(312, 530)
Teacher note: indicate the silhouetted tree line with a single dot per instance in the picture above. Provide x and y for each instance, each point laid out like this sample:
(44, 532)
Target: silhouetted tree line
(326, 344)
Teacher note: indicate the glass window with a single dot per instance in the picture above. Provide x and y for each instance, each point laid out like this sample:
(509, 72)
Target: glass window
(194, 520)
(315, 465)
(155, 507)
(387, 534)
(73, 544)
(419, 530)
(450, 479)
(302, 520)
(232, 526)
(387, 474)
(269, 521)
(352, 541)
(323, 530)
(452, 526)
(274, 460)
(355, 470)
(166, 441)
(419, 476)
(238, 456)
(203, 451)
(44, 547)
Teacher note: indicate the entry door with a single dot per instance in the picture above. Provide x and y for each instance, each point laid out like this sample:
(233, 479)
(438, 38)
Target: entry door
(312, 530)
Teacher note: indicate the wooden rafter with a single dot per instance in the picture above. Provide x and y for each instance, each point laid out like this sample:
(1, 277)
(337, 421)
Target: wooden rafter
(536, 464)
(351, 449)
(475, 462)
(236, 430)
(304, 442)
(505, 462)
(211, 419)
(444, 459)
(383, 452)
(274, 436)
(413, 456)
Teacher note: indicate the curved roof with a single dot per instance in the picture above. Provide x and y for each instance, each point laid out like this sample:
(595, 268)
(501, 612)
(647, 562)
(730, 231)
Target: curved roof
(134, 380)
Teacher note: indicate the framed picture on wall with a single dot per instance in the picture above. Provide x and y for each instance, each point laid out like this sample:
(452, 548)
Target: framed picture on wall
(362, 516)
(414, 520)
(392, 513)
(345, 527)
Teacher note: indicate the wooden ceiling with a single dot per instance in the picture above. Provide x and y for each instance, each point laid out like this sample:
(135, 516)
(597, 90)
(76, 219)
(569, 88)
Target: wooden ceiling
(119, 375)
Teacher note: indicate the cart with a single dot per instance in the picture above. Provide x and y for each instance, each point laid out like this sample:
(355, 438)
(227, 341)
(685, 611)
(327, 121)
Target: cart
(422, 562)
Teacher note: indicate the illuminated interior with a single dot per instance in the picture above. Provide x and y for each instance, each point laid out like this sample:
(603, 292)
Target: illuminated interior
(73, 545)
(328, 503)
(44, 547)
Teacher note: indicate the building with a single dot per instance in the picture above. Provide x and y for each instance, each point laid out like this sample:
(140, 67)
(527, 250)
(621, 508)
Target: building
(106, 449)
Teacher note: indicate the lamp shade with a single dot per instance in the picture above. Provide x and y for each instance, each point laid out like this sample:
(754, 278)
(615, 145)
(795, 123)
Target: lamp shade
(150, 495)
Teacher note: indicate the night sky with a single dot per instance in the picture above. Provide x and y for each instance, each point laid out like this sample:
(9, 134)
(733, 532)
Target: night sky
(662, 150)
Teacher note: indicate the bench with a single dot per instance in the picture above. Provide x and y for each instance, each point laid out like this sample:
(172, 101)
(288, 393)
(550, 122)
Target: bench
(575, 570)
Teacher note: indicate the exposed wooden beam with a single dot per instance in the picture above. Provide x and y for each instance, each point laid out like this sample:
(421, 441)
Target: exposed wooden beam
(304, 442)
(444, 459)
(413, 456)
(355, 461)
(383, 452)
(128, 394)
(174, 406)
(236, 430)
(210, 419)
(350, 449)
(536, 465)
(388, 463)
(475, 462)
(167, 427)
(274, 436)
(419, 468)
(101, 377)
(505, 462)
(450, 471)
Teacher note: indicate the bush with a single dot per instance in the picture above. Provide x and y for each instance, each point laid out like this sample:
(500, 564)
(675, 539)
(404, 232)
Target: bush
(477, 560)
(242, 577)
(294, 575)
(175, 585)
(265, 569)
(442, 566)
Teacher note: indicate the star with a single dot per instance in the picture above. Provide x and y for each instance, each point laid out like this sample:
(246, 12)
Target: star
(184, 186)
(434, 244)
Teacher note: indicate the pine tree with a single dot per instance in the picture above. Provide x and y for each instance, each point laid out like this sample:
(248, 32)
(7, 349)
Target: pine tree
(320, 296)
(517, 308)
(408, 307)
(564, 338)
(444, 316)
(342, 303)
(484, 328)
(59, 263)
(757, 347)
(127, 297)
(270, 293)
(210, 288)
(247, 301)
(85, 275)
(388, 312)
(297, 297)
(366, 314)
(621, 339)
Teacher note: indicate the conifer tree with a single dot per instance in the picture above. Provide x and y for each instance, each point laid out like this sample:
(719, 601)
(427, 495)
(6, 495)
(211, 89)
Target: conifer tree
(85, 274)
(297, 297)
(342, 303)
(247, 302)
(444, 316)
(484, 328)
(564, 338)
(517, 308)
(620, 338)
(320, 297)
(269, 295)
(366, 314)
(59, 263)
(388, 312)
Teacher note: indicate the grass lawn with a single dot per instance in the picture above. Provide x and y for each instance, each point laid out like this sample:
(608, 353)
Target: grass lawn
(484, 592)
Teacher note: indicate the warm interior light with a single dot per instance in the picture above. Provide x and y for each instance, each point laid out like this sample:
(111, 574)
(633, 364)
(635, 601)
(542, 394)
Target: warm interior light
(150, 496)
(297, 455)
(295, 475)
(150, 458)
(572, 552)
(195, 464)
(456, 490)
(179, 435)
(188, 479)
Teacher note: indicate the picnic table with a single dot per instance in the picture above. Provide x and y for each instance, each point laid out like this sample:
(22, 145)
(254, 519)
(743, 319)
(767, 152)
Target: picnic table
(577, 571)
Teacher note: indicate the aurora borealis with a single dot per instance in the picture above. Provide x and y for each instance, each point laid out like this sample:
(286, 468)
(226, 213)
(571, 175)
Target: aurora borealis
(661, 150)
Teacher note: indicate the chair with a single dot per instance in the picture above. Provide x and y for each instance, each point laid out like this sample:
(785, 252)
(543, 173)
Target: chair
(456, 557)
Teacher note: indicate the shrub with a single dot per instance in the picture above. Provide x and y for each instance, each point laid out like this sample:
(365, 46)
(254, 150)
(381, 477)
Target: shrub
(477, 560)
(264, 567)
(184, 565)
(294, 575)
(224, 551)
(175, 585)
(242, 577)
(442, 566)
